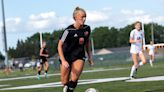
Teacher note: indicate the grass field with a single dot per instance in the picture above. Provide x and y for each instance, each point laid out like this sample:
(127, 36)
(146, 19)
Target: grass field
(100, 71)
(116, 86)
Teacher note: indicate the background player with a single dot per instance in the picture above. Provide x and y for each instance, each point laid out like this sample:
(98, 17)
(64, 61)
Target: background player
(43, 60)
(151, 49)
(136, 50)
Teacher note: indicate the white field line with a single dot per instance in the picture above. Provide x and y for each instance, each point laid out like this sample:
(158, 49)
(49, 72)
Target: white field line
(155, 78)
(57, 74)
(58, 84)
(87, 81)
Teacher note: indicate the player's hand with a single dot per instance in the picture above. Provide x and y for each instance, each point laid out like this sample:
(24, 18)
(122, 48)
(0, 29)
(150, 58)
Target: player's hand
(47, 55)
(65, 64)
(91, 63)
(138, 41)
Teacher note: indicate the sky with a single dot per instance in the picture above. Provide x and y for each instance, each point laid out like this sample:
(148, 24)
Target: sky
(26, 17)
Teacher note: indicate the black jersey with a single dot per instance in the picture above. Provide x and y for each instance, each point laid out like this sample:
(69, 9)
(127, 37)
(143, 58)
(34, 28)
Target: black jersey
(43, 57)
(74, 41)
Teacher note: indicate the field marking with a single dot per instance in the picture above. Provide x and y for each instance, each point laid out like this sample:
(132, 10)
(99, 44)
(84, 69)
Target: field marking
(87, 81)
(4, 85)
(155, 78)
(58, 84)
(57, 74)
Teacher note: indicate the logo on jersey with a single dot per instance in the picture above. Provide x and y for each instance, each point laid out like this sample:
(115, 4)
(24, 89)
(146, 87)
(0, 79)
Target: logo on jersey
(81, 40)
(75, 35)
(138, 38)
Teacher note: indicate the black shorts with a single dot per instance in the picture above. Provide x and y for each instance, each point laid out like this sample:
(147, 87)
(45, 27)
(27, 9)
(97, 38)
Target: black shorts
(71, 61)
(43, 60)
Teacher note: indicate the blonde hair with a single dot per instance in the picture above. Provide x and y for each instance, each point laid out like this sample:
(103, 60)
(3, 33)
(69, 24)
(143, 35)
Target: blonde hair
(77, 9)
(137, 23)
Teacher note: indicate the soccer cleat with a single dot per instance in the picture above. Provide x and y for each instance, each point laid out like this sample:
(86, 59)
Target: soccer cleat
(66, 89)
(135, 73)
(151, 63)
(132, 78)
(38, 76)
(46, 76)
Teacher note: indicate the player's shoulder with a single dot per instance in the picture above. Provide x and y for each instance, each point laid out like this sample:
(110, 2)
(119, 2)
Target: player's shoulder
(86, 27)
(70, 28)
(133, 31)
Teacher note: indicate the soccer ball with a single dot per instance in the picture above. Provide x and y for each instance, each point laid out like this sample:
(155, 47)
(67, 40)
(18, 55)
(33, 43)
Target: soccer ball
(91, 90)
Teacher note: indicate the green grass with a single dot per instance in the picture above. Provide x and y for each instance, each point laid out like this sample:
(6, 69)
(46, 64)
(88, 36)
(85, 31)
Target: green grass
(115, 60)
(117, 86)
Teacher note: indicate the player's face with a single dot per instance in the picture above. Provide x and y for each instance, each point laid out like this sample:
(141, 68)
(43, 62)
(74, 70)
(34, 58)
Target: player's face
(80, 18)
(138, 26)
(44, 44)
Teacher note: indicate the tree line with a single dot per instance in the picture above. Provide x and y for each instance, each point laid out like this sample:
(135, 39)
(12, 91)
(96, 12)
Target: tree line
(103, 37)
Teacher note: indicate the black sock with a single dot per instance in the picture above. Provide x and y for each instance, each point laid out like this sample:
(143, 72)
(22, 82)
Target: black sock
(39, 72)
(46, 71)
(72, 85)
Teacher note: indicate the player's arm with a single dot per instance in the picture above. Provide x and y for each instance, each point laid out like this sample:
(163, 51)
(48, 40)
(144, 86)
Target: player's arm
(61, 54)
(131, 40)
(41, 53)
(89, 53)
(60, 49)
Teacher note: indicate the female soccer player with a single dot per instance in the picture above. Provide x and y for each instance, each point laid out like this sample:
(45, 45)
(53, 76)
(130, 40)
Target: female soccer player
(43, 56)
(136, 40)
(151, 48)
(71, 48)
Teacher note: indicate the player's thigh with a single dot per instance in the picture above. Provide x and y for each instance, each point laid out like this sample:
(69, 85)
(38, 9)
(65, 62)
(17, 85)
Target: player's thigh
(46, 64)
(142, 57)
(39, 68)
(135, 58)
(152, 57)
(65, 73)
(77, 68)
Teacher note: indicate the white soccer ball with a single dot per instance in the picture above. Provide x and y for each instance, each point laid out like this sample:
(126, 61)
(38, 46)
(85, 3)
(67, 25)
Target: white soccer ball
(91, 90)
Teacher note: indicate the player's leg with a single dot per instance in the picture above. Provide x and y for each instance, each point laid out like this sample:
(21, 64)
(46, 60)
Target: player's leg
(46, 66)
(143, 59)
(39, 68)
(77, 67)
(135, 65)
(151, 61)
(151, 58)
(65, 74)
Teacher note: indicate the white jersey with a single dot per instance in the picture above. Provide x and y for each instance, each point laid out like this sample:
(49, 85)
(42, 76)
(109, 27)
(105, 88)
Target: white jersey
(137, 46)
(38, 64)
(151, 49)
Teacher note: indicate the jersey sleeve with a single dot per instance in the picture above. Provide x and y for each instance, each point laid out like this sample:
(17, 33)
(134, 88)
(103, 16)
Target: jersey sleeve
(64, 36)
(132, 35)
(89, 30)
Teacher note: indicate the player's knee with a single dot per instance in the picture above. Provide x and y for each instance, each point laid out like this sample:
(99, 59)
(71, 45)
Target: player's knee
(136, 64)
(64, 82)
(144, 61)
(75, 77)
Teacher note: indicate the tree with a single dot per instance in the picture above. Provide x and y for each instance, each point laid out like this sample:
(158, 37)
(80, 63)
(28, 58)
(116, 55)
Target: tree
(103, 37)
(1, 56)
